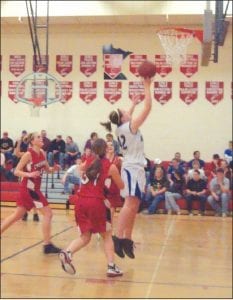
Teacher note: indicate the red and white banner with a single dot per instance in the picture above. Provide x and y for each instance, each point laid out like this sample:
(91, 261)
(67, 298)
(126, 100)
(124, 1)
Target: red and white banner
(136, 89)
(112, 91)
(88, 64)
(88, 91)
(40, 66)
(17, 64)
(66, 91)
(214, 91)
(64, 64)
(135, 61)
(188, 91)
(112, 64)
(12, 90)
(162, 67)
(190, 66)
(162, 91)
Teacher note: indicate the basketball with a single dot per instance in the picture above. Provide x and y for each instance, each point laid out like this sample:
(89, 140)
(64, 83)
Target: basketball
(147, 69)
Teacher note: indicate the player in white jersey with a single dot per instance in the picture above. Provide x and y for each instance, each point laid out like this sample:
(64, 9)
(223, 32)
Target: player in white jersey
(133, 174)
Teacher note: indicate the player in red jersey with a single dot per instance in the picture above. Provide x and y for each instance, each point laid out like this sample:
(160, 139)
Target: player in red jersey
(90, 210)
(30, 168)
(112, 192)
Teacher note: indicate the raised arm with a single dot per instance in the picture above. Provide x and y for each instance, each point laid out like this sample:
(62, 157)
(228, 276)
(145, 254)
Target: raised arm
(136, 122)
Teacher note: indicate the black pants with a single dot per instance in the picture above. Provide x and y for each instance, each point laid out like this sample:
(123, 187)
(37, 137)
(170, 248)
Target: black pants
(191, 198)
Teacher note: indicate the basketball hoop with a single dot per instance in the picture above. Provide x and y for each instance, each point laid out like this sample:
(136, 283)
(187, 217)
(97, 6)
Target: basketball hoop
(175, 42)
(35, 105)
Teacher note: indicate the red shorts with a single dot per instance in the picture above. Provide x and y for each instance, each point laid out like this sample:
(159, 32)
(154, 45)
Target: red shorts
(29, 201)
(90, 215)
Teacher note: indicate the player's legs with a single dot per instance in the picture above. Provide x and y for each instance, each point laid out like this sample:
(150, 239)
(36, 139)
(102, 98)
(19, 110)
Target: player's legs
(46, 230)
(112, 270)
(65, 256)
(15, 216)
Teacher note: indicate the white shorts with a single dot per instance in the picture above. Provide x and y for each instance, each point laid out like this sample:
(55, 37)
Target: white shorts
(135, 180)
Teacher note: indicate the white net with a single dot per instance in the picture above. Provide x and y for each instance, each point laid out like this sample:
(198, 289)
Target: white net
(175, 44)
(34, 111)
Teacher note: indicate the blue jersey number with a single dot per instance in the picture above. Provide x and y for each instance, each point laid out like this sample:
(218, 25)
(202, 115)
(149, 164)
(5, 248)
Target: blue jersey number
(121, 141)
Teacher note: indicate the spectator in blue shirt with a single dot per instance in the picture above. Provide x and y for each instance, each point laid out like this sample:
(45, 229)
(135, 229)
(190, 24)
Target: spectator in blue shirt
(196, 156)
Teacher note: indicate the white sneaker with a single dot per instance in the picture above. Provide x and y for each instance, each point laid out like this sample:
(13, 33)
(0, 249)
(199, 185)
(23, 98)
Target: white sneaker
(178, 212)
(114, 271)
(169, 212)
(224, 215)
(65, 258)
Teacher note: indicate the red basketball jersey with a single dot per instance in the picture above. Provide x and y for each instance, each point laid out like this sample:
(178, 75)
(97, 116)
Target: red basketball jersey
(37, 163)
(95, 189)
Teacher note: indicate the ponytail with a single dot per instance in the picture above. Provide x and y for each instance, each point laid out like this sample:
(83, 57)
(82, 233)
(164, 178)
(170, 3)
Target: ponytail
(115, 118)
(93, 170)
(29, 138)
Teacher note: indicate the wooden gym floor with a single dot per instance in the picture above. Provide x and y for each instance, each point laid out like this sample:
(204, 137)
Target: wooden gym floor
(176, 257)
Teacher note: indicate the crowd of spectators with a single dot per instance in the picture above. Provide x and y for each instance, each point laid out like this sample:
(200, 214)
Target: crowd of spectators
(164, 183)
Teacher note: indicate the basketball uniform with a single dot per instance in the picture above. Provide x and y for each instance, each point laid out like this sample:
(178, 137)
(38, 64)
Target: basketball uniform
(90, 210)
(112, 191)
(30, 195)
(132, 170)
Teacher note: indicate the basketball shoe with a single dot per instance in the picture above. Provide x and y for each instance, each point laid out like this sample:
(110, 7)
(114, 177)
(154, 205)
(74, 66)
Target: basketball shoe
(118, 246)
(113, 271)
(65, 258)
(128, 247)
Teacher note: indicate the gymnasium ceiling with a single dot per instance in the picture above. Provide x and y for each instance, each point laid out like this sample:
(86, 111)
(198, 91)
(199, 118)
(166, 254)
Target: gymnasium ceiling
(158, 13)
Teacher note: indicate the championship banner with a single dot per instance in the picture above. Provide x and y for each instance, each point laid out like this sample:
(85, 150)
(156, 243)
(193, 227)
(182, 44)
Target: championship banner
(40, 67)
(112, 91)
(17, 64)
(190, 66)
(162, 67)
(214, 91)
(64, 64)
(88, 64)
(135, 61)
(136, 89)
(66, 91)
(12, 90)
(112, 64)
(188, 91)
(88, 91)
(162, 91)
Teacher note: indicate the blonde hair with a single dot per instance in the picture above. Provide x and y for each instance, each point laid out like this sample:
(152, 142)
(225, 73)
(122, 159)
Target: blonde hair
(29, 137)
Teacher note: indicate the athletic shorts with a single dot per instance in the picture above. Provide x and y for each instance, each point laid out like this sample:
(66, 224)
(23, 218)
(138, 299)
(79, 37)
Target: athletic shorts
(135, 180)
(29, 199)
(91, 215)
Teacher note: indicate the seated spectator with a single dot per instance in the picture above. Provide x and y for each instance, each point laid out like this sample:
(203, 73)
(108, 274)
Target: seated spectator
(5, 172)
(46, 141)
(7, 146)
(228, 153)
(109, 138)
(195, 167)
(57, 151)
(196, 156)
(72, 151)
(174, 166)
(181, 162)
(215, 164)
(89, 143)
(157, 164)
(220, 193)
(72, 175)
(196, 191)
(227, 171)
(87, 155)
(174, 192)
(21, 147)
(156, 191)
(147, 167)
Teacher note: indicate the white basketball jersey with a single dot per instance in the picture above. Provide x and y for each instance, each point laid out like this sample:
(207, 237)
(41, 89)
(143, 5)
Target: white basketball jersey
(132, 146)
